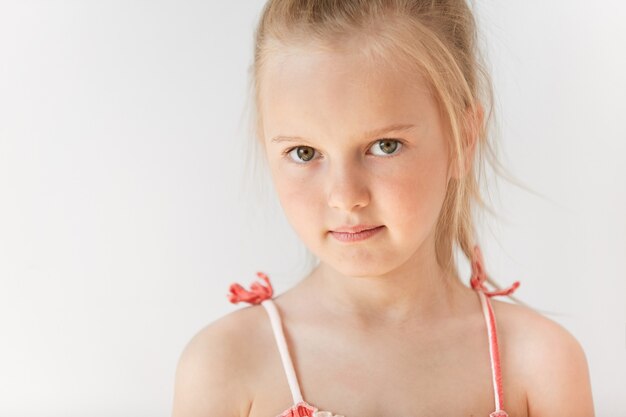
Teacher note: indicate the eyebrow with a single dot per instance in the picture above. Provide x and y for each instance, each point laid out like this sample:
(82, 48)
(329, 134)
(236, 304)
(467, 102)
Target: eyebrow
(376, 132)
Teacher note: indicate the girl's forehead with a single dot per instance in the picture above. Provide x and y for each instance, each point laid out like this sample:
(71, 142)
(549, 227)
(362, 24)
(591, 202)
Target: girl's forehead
(327, 86)
(304, 66)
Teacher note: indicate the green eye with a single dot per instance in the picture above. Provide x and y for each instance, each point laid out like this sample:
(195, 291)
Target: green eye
(387, 146)
(303, 153)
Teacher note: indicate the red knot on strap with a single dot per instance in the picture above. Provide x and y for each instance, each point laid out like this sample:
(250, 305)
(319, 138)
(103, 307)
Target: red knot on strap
(255, 295)
(479, 275)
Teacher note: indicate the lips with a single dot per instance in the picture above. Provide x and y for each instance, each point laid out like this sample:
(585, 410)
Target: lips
(355, 233)
(355, 229)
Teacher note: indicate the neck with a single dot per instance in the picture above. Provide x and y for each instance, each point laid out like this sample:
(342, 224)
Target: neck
(418, 291)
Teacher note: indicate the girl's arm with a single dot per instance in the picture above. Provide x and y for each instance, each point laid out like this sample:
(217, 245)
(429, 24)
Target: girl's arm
(557, 372)
(208, 380)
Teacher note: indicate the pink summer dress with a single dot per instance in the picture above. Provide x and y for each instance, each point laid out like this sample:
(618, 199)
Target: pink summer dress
(260, 294)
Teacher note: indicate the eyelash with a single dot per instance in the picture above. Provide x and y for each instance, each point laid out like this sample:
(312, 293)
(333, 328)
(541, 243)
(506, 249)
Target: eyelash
(287, 151)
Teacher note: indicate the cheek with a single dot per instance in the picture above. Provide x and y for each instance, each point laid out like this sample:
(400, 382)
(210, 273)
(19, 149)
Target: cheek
(412, 194)
(299, 198)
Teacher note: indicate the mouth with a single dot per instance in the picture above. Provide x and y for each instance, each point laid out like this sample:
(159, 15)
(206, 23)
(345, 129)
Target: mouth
(354, 236)
(355, 229)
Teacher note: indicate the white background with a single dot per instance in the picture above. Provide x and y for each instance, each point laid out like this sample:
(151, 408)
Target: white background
(124, 217)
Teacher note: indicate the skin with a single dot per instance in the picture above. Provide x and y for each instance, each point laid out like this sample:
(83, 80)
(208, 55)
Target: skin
(420, 334)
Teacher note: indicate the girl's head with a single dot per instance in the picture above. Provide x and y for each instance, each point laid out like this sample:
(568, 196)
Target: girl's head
(326, 75)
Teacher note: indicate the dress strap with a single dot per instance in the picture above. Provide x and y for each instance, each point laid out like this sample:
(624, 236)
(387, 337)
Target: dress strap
(259, 294)
(270, 307)
(478, 277)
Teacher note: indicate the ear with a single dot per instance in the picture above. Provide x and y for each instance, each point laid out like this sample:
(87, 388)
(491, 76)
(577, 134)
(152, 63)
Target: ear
(473, 123)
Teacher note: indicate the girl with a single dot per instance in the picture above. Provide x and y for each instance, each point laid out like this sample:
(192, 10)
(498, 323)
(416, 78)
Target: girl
(370, 114)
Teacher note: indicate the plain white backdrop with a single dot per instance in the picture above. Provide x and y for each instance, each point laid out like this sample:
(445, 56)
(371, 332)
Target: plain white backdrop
(123, 218)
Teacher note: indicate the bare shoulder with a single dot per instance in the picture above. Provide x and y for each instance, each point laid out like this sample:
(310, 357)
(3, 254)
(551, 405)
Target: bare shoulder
(214, 369)
(552, 363)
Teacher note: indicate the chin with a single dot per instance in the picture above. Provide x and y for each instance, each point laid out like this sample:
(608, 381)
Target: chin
(361, 263)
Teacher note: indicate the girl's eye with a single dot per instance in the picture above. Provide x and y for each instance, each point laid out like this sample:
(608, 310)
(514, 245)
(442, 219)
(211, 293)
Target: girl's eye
(387, 146)
(303, 153)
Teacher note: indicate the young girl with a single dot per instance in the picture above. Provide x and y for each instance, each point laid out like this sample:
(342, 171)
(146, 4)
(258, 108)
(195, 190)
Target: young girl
(370, 116)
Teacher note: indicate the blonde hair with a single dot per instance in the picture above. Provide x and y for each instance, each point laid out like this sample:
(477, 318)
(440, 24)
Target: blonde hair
(438, 38)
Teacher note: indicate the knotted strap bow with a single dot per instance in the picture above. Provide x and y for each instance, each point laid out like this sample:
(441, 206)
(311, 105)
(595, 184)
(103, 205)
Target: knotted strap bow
(479, 275)
(255, 295)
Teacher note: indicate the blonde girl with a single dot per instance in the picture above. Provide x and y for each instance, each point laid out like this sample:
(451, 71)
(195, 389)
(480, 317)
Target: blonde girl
(371, 115)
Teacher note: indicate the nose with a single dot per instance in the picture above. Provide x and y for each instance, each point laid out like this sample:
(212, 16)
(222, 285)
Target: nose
(348, 188)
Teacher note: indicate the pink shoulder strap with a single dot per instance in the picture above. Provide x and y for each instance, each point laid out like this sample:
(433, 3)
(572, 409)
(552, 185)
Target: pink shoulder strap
(259, 294)
(477, 282)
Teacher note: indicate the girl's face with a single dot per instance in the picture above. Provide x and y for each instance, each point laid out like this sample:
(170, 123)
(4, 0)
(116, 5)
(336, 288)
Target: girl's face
(334, 163)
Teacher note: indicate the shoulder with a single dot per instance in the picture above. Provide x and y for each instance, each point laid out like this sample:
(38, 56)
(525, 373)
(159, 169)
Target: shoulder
(552, 364)
(214, 369)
